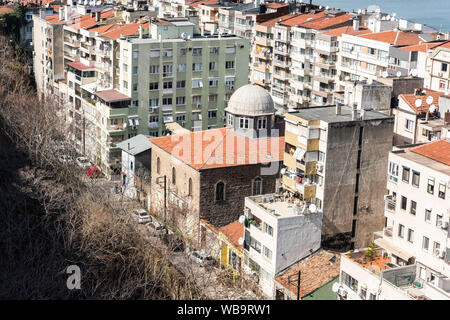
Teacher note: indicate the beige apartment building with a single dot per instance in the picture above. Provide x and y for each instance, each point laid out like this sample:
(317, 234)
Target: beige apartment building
(440, 68)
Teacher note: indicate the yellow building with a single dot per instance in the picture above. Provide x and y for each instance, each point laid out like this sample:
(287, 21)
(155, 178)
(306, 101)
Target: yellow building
(231, 242)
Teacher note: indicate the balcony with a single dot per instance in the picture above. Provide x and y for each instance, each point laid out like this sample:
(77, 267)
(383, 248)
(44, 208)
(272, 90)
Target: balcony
(387, 231)
(390, 203)
(116, 127)
(153, 125)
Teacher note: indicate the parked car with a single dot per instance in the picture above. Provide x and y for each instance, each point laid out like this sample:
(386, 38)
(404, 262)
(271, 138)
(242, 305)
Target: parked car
(142, 216)
(83, 162)
(93, 172)
(174, 242)
(201, 257)
(158, 228)
(65, 159)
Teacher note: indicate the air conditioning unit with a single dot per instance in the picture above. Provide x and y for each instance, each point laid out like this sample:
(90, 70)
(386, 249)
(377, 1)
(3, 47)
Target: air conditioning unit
(444, 225)
(437, 252)
(319, 167)
(387, 197)
(441, 253)
(440, 74)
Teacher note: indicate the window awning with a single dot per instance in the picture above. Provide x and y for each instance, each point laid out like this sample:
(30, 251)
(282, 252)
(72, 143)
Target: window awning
(385, 244)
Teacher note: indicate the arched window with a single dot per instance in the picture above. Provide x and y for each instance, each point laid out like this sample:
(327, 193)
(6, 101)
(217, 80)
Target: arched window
(220, 191)
(173, 175)
(190, 187)
(158, 166)
(257, 186)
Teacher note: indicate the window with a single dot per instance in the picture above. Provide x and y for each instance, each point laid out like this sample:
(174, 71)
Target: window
(181, 84)
(220, 191)
(196, 67)
(135, 86)
(257, 186)
(212, 98)
(372, 51)
(135, 71)
(167, 70)
(135, 103)
(158, 165)
(413, 207)
(415, 178)
(153, 85)
(125, 67)
(214, 50)
(372, 296)
(197, 51)
(125, 84)
(181, 68)
(405, 174)
(167, 101)
(243, 123)
(167, 52)
(393, 171)
(268, 229)
(154, 53)
(229, 82)
(427, 215)
(135, 54)
(213, 82)
(230, 49)
(441, 193)
(153, 119)
(181, 101)
(444, 67)
(409, 125)
(197, 83)
(196, 100)
(229, 64)
(425, 243)
(131, 165)
(262, 123)
(410, 235)
(404, 203)
(430, 187)
(167, 84)
(363, 293)
(154, 69)
(153, 102)
(212, 66)
(349, 281)
(267, 253)
(180, 118)
(174, 172)
(190, 187)
(212, 114)
(182, 51)
(438, 220)
(436, 247)
(401, 230)
(230, 120)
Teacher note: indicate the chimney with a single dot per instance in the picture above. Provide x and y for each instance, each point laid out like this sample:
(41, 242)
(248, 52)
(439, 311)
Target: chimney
(356, 23)
(61, 13)
(97, 16)
(363, 114)
(447, 118)
(338, 108)
(427, 116)
(140, 31)
(93, 14)
(67, 13)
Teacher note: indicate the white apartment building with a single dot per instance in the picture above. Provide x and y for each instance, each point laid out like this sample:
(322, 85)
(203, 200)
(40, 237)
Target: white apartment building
(440, 68)
(278, 233)
(412, 261)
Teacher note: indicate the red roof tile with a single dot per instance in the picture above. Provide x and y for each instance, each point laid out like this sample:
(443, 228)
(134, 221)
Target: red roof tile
(298, 19)
(221, 147)
(348, 30)
(424, 47)
(411, 98)
(5, 10)
(398, 38)
(272, 22)
(326, 22)
(126, 30)
(233, 232)
(79, 66)
(437, 150)
(112, 95)
(316, 271)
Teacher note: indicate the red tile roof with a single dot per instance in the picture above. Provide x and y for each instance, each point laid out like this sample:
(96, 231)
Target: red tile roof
(276, 5)
(5, 10)
(272, 22)
(233, 232)
(398, 38)
(126, 30)
(437, 150)
(298, 19)
(88, 21)
(105, 28)
(112, 95)
(411, 98)
(348, 30)
(424, 47)
(326, 22)
(316, 271)
(216, 148)
(79, 66)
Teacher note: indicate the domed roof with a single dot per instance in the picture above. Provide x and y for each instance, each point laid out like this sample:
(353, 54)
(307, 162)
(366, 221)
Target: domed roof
(251, 100)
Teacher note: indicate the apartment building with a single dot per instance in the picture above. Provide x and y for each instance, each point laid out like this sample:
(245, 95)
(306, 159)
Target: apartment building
(411, 261)
(278, 233)
(439, 70)
(176, 76)
(334, 157)
(419, 117)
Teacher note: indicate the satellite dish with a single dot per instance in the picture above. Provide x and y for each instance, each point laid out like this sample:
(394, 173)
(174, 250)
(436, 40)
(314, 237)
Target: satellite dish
(283, 170)
(359, 11)
(388, 17)
(447, 92)
(432, 108)
(399, 74)
(418, 103)
(327, 7)
(335, 287)
(393, 14)
(312, 208)
(430, 100)
(384, 74)
(241, 219)
(241, 241)
(414, 72)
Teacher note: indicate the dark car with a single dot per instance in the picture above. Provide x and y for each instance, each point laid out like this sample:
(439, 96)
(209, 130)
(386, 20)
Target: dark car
(174, 242)
(93, 172)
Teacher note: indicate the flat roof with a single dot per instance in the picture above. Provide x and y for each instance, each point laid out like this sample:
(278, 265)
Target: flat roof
(275, 204)
(328, 114)
(137, 144)
(112, 95)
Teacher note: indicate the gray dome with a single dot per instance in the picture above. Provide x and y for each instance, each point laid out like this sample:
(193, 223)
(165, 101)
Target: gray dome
(251, 100)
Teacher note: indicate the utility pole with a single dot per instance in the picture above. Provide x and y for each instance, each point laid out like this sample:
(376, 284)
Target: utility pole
(291, 281)
(165, 199)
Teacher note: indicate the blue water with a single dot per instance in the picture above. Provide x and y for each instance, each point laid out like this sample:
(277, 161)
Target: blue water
(433, 13)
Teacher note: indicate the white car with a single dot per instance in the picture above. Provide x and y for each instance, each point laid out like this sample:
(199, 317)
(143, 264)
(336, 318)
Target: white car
(142, 216)
(83, 162)
(201, 257)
